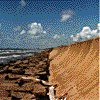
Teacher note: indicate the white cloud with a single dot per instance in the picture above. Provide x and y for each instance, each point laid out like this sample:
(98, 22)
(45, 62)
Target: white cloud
(22, 32)
(33, 25)
(0, 25)
(36, 29)
(39, 24)
(56, 36)
(74, 38)
(35, 37)
(44, 32)
(63, 35)
(17, 28)
(99, 27)
(94, 32)
(88, 36)
(66, 15)
(33, 31)
(86, 33)
(23, 3)
(71, 36)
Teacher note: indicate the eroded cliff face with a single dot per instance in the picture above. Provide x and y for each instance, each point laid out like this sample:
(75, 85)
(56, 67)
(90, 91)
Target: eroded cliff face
(75, 70)
(25, 79)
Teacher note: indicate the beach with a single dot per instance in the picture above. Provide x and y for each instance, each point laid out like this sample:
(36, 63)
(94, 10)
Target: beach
(69, 72)
(22, 79)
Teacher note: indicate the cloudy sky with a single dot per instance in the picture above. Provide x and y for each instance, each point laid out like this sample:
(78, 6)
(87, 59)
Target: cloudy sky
(42, 24)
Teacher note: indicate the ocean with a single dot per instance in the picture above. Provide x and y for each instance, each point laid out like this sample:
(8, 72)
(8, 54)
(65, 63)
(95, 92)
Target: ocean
(7, 55)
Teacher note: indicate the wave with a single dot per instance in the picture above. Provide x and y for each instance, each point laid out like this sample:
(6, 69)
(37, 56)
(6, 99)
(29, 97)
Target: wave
(9, 56)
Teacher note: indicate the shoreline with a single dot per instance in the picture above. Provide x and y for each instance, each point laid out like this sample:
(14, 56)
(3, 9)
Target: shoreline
(11, 77)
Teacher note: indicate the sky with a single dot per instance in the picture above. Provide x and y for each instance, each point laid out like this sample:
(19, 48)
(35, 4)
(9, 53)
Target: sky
(43, 24)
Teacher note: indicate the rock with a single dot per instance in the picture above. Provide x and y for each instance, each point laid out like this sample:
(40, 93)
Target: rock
(41, 66)
(36, 70)
(28, 97)
(4, 70)
(5, 98)
(51, 93)
(11, 64)
(18, 62)
(39, 90)
(23, 95)
(45, 59)
(31, 65)
(24, 91)
(24, 66)
(15, 83)
(7, 77)
(16, 71)
(45, 83)
(11, 67)
(42, 63)
(3, 93)
(25, 61)
(8, 86)
(27, 79)
(30, 78)
(41, 73)
(28, 71)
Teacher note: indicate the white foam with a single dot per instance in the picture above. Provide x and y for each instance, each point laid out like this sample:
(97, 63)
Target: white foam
(15, 55)
(4, 52)
(2, 57)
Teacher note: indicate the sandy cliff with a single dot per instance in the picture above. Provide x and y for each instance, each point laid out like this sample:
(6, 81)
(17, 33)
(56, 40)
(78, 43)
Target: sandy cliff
(75, 70)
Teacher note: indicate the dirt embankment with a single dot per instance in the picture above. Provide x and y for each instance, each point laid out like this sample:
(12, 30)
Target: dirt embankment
(24, 79)
(75, 70)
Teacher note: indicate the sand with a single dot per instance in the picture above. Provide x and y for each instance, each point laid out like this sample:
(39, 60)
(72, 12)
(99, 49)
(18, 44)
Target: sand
(75, 70)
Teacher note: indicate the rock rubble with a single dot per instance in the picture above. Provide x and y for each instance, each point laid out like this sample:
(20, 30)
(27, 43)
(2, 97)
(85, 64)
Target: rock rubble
(25, 79)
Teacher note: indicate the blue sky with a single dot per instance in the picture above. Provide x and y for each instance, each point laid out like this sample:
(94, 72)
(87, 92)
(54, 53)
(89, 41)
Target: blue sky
(43, 24)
